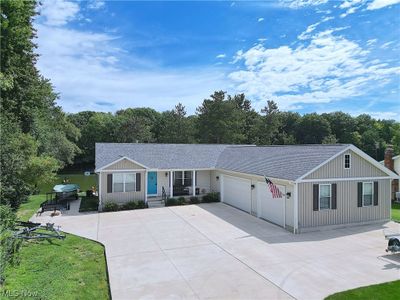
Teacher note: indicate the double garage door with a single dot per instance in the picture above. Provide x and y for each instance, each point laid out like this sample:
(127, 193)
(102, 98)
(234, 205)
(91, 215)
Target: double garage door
(238, 193)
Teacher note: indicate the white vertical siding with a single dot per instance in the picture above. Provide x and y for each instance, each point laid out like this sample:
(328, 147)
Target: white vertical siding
(335, 168)
(289, 208)
(347, 211)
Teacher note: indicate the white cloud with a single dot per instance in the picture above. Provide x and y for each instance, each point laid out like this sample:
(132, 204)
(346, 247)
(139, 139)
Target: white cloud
(301, 3)
(350, 11)
(330, 68)
(386, 45)
(377, 4)
(350, 3)
(91, 72)
(354, 5)
(96, 4)
(222, 55)
(262, 40)
(58, 12)
(306, 34)
(371, 42)
(383, 115)
(260, 19)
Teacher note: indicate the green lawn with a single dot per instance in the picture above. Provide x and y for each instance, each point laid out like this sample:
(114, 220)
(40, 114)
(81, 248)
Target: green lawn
(384, 291)
(73, 268)
(396, 212)
(28, 209)
(85, 182)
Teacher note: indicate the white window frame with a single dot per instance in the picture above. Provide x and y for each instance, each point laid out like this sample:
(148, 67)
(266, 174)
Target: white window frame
(319, 196)
(344, 161)
(183, 176)
(123, 182)
(372, 193)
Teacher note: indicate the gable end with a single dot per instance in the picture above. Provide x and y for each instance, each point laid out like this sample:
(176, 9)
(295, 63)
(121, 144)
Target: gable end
(359, 167)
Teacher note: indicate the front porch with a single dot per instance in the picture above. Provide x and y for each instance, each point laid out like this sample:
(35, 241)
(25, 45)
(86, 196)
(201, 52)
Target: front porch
(177, 183)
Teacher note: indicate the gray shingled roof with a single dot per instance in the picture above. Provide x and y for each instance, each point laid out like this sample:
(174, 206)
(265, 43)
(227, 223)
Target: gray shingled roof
(285, 162)
(161, 156)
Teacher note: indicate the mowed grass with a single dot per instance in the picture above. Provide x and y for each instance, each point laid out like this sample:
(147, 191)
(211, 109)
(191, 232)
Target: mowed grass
(73, 268)
(396, 212)
(84, 182)
(384, 291)
(28, 209)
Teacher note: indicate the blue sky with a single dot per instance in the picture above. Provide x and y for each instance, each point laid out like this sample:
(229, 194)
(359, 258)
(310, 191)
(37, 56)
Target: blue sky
(307, 55)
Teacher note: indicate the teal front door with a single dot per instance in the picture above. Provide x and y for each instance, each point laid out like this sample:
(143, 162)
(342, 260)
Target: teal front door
(152, 183)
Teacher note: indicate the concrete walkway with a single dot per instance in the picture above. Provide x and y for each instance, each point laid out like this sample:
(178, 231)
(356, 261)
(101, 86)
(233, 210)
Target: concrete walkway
(216, 251)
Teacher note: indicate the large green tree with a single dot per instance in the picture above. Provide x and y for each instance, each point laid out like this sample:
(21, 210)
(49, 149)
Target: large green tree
(175, 127)
(220, 121)
(312, 129)
(36, 137)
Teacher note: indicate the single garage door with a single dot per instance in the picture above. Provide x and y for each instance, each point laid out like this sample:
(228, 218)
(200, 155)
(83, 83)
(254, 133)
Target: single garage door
(237, 192)
(271, 209)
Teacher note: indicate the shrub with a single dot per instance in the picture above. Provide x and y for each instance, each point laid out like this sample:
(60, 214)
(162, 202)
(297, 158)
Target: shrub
(111, 206)
(194, 200)
(128, 205)
(140, 204)
(8, 244)
(181, 201)
(171, 202)
(211, 197)
(89, 204)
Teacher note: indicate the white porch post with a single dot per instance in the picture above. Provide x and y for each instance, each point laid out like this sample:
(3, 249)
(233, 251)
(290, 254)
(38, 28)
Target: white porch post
(194, 183)
(145, 185)
(171, 184)
(221, 187)
(296, 207)
(100, 207)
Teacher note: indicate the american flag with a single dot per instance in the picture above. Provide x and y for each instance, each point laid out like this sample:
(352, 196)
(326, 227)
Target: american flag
(276, 193)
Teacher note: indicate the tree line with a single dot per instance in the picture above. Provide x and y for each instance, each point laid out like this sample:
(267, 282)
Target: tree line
(226, 119)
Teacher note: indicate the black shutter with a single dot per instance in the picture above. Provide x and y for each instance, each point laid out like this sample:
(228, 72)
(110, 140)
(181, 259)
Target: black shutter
(315, 197)
(359, 194)
(138, 184)
(334, 193)
(109, 183)
(376, 193)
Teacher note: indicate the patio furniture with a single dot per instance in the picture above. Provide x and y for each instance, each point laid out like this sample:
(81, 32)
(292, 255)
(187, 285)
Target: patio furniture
(60, 197)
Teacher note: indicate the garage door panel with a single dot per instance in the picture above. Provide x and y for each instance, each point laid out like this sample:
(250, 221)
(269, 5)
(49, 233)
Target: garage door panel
(271, 209)
(237, 192)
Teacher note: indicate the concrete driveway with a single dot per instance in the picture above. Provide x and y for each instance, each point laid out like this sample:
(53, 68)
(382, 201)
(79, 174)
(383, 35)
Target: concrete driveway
(216, 251)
